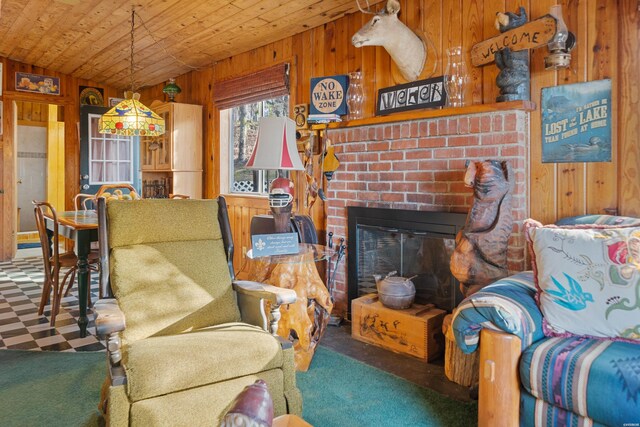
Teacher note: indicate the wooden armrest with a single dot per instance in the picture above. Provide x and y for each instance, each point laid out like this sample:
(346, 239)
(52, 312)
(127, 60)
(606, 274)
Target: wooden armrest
(109, 323)
(109, 318)
(273, 294)
(250, 301)
(499, 392)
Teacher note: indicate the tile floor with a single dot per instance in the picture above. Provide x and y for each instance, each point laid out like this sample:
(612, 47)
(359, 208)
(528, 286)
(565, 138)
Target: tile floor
(20, 325)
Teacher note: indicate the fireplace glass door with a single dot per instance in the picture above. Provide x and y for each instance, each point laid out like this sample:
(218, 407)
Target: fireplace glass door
(422, 256)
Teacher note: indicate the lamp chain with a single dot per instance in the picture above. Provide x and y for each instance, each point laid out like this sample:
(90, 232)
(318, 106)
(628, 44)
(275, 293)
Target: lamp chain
(133, 17)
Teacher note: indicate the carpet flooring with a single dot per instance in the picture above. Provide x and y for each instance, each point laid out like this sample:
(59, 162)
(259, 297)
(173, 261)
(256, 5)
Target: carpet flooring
(62, 389)
(340, 391)
(51, 388)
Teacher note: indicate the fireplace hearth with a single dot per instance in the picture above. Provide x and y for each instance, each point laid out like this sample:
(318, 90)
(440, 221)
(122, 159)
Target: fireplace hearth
(415, 244)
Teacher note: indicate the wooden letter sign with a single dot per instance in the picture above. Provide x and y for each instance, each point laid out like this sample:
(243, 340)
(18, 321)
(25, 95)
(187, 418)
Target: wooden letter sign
(528, 36)
(427, 93)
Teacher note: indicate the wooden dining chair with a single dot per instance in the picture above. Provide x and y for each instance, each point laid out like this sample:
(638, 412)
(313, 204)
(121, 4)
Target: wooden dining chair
(115, 190)
(54, 261)
(83, 202)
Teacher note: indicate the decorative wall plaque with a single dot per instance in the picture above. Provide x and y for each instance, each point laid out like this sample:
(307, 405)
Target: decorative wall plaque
(328, 95)
(36, 83)
(576, 122)
(427, 93)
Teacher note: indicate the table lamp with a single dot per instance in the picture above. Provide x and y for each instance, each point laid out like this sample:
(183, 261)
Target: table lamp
(275, 149)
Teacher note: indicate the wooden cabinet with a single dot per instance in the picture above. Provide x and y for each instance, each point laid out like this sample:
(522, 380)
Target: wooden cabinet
(172, 163)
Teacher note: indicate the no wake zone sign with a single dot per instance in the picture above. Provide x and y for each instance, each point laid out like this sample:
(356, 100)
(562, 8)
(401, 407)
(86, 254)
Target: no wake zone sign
(427, 93)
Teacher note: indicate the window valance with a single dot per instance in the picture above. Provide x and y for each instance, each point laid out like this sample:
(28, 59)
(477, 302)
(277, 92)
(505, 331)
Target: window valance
(260, 85)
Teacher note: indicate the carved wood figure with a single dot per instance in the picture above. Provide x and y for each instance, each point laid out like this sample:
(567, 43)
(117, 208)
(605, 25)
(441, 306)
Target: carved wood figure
(513, 79)
(406, 48)
(480, 256)
(305, 320)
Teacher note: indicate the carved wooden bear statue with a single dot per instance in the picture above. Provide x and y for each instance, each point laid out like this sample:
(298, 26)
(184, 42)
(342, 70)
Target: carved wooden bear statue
(513, 79)
(480, 257)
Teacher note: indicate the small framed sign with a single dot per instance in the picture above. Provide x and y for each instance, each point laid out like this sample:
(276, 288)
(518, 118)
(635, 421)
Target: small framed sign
(328, 95)
(36, 83)
(274, 244)
(91, 96)
(115, 101)
(427, 93)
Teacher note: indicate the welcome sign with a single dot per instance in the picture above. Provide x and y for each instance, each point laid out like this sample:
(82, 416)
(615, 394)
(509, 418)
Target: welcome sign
(427, 93)
(328, 95)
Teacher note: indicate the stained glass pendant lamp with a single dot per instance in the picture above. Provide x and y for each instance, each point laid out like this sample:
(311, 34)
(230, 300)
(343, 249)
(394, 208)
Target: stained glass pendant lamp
(130, 117)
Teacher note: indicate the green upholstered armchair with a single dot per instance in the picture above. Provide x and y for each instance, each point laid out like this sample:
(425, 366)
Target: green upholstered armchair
(194, 338)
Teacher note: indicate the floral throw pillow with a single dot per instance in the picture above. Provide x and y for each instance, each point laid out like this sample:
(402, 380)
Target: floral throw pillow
(588, 279)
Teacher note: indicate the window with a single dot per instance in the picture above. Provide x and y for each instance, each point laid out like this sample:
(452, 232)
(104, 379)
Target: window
(110, 156)
(243, 131)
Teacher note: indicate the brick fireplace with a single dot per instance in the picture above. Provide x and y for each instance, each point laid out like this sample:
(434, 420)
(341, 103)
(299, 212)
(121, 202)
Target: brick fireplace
(419, 165)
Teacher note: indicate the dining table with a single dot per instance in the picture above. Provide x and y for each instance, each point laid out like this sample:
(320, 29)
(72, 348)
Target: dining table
(82, 227)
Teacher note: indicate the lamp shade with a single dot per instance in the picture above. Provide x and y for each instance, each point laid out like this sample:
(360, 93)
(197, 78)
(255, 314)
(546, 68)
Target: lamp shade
(131, 118)
(276, 145)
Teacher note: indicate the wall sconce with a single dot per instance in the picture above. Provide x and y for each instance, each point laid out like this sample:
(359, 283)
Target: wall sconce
(561, 44)
(171, 89)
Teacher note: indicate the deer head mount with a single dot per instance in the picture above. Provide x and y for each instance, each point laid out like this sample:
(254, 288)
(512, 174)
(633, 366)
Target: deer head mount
(407, 50)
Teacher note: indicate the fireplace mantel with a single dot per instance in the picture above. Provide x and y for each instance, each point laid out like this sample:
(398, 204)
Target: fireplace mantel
(431, 114)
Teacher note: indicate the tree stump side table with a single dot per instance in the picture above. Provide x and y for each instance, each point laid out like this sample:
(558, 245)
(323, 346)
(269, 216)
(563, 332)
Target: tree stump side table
(304, 321)
(459, 367)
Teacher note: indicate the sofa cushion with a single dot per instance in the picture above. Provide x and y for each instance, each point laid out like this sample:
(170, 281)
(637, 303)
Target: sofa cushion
(538, 413)
(589, 377)
(172, 287)
(212, 401)
(599, 220)
(161, 365)
(588, 279)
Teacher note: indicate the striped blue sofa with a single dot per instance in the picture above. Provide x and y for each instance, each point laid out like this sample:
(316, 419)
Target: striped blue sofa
(531, 380)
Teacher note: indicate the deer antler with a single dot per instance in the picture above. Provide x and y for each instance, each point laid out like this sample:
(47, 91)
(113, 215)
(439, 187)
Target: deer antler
(368, 11)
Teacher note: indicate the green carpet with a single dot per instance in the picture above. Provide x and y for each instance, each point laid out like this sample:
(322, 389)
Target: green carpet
(62, 389)
(341, 391)
(40, 388)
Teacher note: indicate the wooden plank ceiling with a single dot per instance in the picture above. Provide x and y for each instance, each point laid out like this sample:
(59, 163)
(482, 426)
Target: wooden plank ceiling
(91, 39)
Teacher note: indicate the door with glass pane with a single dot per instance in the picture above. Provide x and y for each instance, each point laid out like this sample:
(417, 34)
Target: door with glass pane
(105, 158)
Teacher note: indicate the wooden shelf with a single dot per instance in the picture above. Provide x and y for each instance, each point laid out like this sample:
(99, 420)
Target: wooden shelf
(430, 114)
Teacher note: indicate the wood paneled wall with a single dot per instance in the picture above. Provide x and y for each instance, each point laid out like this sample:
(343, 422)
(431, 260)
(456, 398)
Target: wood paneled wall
(608, 34)
(32, 113)
(69, 99)
(608, 46)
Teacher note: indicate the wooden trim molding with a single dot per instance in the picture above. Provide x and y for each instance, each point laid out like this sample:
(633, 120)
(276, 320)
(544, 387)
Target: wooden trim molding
(431, 114)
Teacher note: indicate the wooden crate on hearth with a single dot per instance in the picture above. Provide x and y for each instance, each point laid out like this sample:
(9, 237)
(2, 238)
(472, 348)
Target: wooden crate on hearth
(416, 331)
